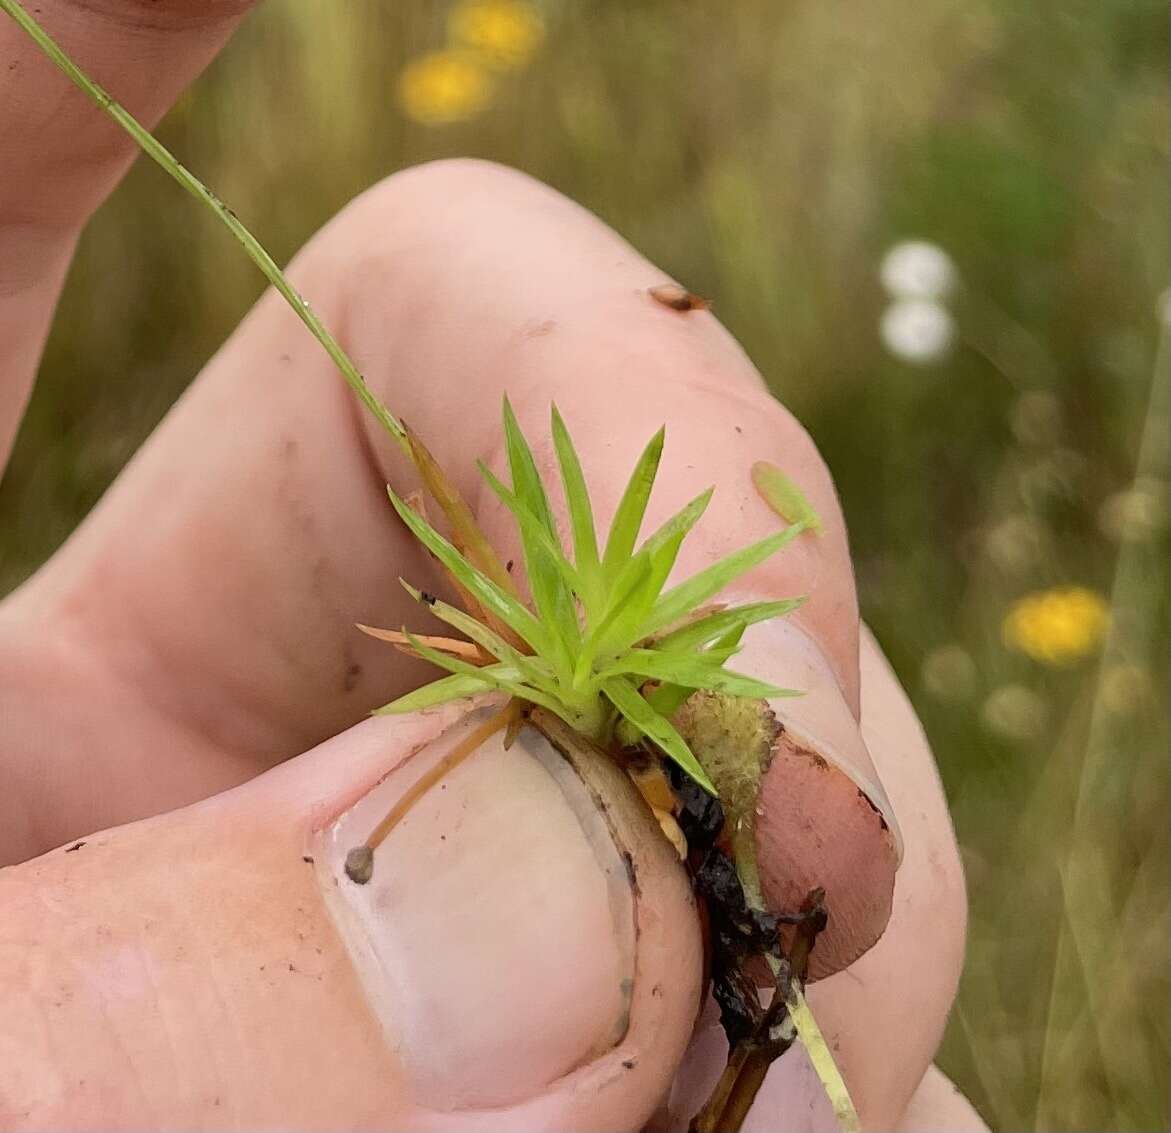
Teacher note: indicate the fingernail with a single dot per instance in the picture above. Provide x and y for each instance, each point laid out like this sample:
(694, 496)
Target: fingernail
(495, 935)
(819, 718)
(823, 820)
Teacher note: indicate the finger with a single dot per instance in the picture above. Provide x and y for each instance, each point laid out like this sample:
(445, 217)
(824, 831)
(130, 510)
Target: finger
(883, 1017)
(63, 156)
(938, 1107)
(450, 284)
(524, 956)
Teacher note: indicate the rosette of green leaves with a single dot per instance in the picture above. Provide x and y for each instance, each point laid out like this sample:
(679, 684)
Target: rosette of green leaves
(602, 626)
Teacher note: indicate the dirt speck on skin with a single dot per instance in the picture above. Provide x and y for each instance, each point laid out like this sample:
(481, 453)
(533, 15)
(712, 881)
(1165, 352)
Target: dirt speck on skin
(678, 298)
(629, 1063)
(74, 848)
(352, 676)
(631, 872)
(308, 859)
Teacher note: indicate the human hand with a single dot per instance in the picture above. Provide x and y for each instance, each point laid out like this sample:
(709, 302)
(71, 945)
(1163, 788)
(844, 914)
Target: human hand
(193, 969)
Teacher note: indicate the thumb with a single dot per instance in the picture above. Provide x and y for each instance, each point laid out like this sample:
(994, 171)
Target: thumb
(527, 939)
(525, 955)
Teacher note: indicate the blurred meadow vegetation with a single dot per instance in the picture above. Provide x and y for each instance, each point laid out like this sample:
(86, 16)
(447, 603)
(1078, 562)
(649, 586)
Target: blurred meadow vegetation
(993, 404)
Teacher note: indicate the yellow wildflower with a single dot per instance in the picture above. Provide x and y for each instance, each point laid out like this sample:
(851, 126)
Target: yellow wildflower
(445, 86)
(1057, 627)
(506, 32)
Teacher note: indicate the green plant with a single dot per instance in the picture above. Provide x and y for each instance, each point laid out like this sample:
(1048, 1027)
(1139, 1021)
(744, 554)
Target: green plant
(602, 625)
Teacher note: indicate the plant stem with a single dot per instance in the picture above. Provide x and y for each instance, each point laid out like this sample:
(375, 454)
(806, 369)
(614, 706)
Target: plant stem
(254, 249)
(803, 1021)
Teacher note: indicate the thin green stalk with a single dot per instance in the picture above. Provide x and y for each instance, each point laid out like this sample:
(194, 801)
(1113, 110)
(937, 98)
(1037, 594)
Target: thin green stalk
(804, 1023)
(255, 250)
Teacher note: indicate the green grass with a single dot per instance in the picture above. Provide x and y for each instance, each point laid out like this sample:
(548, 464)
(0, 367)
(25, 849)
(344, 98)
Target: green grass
(768, 154)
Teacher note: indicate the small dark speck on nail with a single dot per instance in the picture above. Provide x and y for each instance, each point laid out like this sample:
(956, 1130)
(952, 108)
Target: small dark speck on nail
(74, 847)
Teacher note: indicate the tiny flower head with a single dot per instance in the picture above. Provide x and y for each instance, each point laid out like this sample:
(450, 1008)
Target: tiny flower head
(916, 269)
(1057, 627)
(506, 33)
(445, 86)
(917, 330)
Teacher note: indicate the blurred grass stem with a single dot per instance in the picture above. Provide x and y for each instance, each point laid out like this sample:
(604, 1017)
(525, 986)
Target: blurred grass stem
(255, 250)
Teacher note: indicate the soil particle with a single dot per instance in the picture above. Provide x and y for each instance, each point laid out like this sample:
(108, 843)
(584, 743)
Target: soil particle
(74, 848)
(700, 817)
(678, 298)
(631, 872)
(629, 1063)
(352, 677)
(360, 864)
(308, 859)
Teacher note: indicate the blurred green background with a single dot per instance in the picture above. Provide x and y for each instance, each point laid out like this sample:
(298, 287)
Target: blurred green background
(993, 401)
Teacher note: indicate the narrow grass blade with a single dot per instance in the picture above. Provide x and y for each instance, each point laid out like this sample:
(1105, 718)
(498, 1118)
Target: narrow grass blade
(666, 699)
(703, 630)
(526, 480)
(680, 524)
(502, 677)
(486, 640)
(467, 537)
(627, 699)
(784, 497)
(632, 508)
(553, 595)
(691, 670)
(504, 606)
(438, 692)
(466, 650)
(677, 602)
(624, 627)
(581, 512)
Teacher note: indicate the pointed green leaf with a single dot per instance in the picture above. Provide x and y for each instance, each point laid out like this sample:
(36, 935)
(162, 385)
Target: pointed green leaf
(635, 576)
(502, 677)
(437, 692)
(532, 669)
(504, 606)
(682, 599)
(784, 497)
(627, 699)
(628, 518)
(542, 557)
(691, 670)
(577, 499)
(624, 627)
(680, 524)
(708, 628)
(526, 480)
(666, 699)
